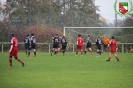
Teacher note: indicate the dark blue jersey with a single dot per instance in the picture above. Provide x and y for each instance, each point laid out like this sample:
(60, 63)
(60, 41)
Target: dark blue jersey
(56, 39)
(89, 40)
(27, 41)
(63, 41)
(33, 40)
(98, 41)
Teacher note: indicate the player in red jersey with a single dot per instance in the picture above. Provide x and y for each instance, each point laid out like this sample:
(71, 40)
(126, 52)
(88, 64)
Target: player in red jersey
(113, 49)
(80, 42)
(14, 51)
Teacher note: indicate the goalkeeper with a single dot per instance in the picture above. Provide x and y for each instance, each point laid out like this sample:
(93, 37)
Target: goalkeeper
(105, 43)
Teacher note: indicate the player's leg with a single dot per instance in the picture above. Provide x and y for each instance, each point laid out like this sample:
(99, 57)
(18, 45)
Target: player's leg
(57, 49)
(26, 49)
(109, 57)
(34, 50)
(63, 49)
(85, 51)
(29, 50)
(97, 52)
(77, 49)
(56, 52)
(106, 48)
(86, 48)
(97, 49)
(54, 48)
(10, 60)
(81, 50)
(12, 53)
(90, 49)
(116, 57)
(100, 51)
(103, 48)
(18, 59)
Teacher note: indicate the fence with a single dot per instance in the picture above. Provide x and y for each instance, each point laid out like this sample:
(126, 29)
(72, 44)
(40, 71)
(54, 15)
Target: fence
(46, 47)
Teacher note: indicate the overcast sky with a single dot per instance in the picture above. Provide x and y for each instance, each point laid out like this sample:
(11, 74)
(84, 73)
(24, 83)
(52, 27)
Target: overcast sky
(106, 9)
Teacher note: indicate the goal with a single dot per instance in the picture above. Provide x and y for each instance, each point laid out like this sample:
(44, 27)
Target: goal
(123, 35)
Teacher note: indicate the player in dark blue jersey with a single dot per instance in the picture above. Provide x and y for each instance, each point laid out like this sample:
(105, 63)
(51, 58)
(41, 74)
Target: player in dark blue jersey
(99, 45)
(55, 44)
(64, 44)
(33, 45)
(88, 45)
(27, 44)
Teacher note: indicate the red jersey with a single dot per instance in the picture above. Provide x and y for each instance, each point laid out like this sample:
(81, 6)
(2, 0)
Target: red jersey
(14, 44)
(80, 41)
(113, 46)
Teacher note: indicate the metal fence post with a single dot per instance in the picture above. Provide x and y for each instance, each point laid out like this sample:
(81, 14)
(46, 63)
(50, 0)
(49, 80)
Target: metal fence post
(122, 48)
(2, 46)
(73, 47)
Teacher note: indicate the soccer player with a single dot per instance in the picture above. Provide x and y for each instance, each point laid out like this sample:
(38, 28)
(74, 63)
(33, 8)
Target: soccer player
(98, 45)
(88, 45)
(55, 45)
(14, 51)
(105, 43)
(33, 45)
(64, 44)
(113, 49)
(80, 42)
(27, 44)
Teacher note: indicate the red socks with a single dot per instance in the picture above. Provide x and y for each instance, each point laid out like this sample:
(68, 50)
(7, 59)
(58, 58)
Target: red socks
(10, 61)
(56, 52)
(109, 58)
(76, 51)
(117, 57)
(18, 59)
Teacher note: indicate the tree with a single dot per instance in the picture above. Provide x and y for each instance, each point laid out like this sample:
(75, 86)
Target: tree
(54, 14)
(61, 12)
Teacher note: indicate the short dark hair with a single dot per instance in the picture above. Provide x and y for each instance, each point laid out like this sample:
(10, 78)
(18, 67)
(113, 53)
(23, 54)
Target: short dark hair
(79, 35)
(63, 36)
(28, 35)
(98, 36)
(13, 35)
(88, 35)
(112, 37)
(32, 34)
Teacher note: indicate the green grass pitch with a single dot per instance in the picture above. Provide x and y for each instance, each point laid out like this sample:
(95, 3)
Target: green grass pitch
(68, 71)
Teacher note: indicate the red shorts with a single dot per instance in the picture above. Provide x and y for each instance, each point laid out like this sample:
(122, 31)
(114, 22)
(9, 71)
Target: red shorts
(113, 51)
(79, 47)
(14, 52)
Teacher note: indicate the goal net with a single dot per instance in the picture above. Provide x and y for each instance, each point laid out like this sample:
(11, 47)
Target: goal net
(123, 35)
